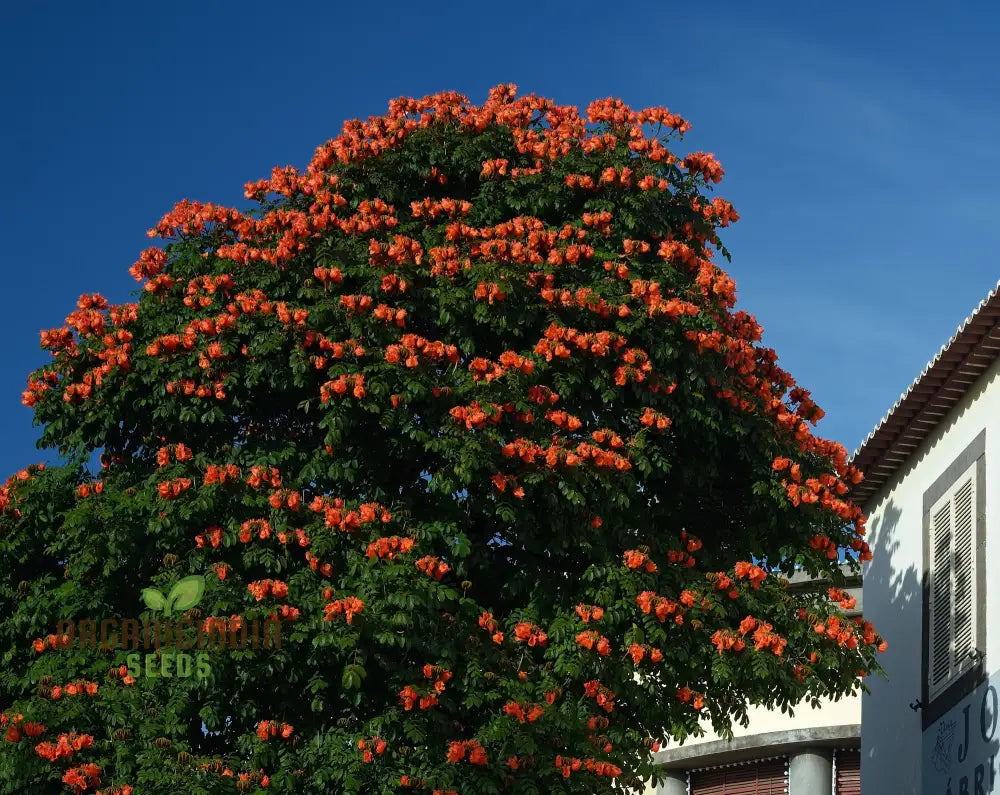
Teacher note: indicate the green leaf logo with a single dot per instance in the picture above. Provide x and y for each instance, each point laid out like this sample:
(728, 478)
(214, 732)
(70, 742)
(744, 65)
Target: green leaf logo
(186, 593)
(154, 599)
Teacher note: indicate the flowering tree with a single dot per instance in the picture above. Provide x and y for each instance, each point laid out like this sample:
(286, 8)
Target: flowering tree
(465, 417)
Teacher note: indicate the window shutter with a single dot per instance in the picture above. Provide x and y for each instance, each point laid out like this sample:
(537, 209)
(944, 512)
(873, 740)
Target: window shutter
(764, 777)
(964, 572)
(848, 778)
(952, 607)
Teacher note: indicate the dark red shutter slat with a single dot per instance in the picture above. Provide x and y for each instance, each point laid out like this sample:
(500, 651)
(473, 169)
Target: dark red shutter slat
(848, 773)
(756, 778)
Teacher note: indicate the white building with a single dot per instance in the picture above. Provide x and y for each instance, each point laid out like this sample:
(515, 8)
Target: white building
(813, 752)
(931, 491)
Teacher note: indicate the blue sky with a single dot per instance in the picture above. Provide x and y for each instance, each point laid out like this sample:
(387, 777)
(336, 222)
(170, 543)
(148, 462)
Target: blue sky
(857, 141)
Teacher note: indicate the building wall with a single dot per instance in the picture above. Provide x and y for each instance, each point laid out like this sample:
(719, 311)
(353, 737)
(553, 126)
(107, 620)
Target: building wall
(891, 742)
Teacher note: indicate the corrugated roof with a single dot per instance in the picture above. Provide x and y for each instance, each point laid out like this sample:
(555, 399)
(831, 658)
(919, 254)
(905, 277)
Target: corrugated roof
(943, 382)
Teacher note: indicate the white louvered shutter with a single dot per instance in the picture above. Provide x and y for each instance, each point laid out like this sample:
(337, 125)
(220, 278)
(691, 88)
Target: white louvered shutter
(952, 589)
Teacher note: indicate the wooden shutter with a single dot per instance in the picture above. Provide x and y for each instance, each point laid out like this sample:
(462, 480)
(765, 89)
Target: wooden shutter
(848, 779)
(767, 777)
(952, 607)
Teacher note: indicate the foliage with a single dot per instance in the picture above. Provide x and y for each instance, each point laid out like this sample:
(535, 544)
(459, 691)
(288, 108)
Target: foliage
(467, 407)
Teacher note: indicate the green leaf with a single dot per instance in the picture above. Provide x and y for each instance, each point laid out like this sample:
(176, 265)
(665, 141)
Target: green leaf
(186, 593)
(154, 599)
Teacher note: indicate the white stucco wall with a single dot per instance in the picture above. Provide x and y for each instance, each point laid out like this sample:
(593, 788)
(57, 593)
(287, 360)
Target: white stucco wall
(831, 713)
(891, 751)
(847, 711)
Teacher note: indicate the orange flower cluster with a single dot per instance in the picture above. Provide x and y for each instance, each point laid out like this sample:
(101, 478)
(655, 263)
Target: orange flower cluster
(82, 777)
(433, 208)
(180, 452)
(704, 164)
(349, 521)
(208, 285)
(299, 536)
(563, 420)
(84, 490)
(638, 653)
(151, 263)
(171, 489)
(660, 606)
(749, 571)
(654, 419)
(845, 633)
(328, 276)
(569, 765)
(65, 746)
(77, 688)
(457, 752)
(722, 582)
(286, 613)
(634, 559)
(412, 348)
(487, 622)
(267, 729)
(189, 387)
(433, 567)
(725, 639)
(484, 370)
(438, 677)
(17, 727)
(475, 415)
(213, 535)
(122, 671)
(261, 589)
(285, 498)
(490, 291)
(589, 612)
(604, 697)
(501, 482)
(525, 713)
(334, 350)
(532, 634)
(555, 455)
(376, 744)
(340, 385)
(402, 251)
(51, 642)
(348, 607)
(595, 641)
(846, 601)
(557, 339)
(765, 638)
(388, 548)
(260, 476)
(261, 527)
(688, 696)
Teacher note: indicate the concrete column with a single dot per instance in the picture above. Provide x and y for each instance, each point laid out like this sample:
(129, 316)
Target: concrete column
(676, 784)
(810, 772)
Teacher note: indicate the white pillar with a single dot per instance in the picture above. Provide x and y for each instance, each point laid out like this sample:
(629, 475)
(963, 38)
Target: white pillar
(810, 772)
(675, 784)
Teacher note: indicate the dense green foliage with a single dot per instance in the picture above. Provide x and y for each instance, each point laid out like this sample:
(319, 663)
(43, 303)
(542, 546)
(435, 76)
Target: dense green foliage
(466, 406)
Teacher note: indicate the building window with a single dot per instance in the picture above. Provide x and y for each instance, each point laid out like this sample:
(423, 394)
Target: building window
(952, 594)
(847, 772)
(762, 777)
(954, 612)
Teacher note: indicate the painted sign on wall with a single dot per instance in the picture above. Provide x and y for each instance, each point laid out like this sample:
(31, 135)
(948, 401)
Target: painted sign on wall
(961, 750)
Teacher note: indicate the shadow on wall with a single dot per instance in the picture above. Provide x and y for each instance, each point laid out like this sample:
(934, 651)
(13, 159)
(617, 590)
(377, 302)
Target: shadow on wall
(890, 729)
(955, 758)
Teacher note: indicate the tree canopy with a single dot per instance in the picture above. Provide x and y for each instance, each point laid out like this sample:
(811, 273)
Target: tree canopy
(462, 423)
